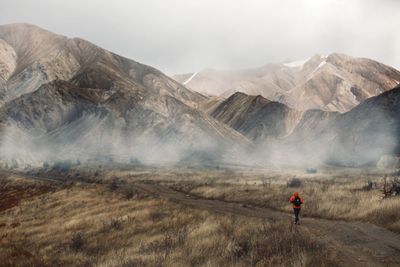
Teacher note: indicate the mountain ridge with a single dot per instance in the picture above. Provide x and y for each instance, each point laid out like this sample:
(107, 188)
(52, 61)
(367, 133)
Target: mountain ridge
(56, 100)
(335, 82)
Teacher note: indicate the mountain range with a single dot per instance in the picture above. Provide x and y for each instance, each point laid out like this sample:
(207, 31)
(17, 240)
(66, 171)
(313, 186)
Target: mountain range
(335, 82)
(66, 98)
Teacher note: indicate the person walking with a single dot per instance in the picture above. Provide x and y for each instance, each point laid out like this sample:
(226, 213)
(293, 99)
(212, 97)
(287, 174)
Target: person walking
(297, 201)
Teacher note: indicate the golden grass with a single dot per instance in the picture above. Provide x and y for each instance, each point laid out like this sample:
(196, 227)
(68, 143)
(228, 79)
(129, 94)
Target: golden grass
(330, 197)
(89, 225)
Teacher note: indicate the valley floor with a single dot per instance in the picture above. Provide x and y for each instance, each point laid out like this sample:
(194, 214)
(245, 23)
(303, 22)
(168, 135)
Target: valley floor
(191, 218)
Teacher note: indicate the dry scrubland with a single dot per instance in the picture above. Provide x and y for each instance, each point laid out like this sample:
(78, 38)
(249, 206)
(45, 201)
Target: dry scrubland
(336, 195)
(108, 222)
(99, 225)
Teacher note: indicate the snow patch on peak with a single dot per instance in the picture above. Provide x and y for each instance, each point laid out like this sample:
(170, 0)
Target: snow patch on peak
(321, 64)
(317, 68)
(190, 78)
(296, 64)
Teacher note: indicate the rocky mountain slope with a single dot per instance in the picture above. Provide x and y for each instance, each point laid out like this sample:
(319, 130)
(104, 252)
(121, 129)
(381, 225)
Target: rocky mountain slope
(67, 98)
(257, 117)
(336, 82)
(360, 136)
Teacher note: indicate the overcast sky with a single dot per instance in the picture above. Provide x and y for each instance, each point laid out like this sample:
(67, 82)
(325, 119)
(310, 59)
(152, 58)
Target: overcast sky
(179, 36)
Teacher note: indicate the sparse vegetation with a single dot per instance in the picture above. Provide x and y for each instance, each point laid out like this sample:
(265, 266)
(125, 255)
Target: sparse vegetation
(134, 161)
(62, 166)
(73, 227)
(77, 241)
(89, 224)
(46, 165)
(390, 187)
(130, 193)
(294, 182)
(114, 185)
(311, 170)
(333, 196)
(369, 186)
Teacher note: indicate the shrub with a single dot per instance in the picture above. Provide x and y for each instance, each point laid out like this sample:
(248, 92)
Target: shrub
(311, 170)
(77, 241)
(46, 165)
(62, 166)
(265, 181)
(369, 186)
(130, 193)
(115, 224)
(114, 185)
(294, 182)
(134, 161)
(390, 187)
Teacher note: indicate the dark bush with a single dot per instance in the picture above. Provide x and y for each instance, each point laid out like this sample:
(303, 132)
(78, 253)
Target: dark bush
(115, 224)
(294, 182)
(311, 170)
(62, 166)
(77, 241)
(129, 193)
(134, 161)
(390, 187)
(369, 186)
(114, 185)
(46, 165)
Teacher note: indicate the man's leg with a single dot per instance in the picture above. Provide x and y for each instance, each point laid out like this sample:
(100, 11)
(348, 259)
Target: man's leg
(296, 215)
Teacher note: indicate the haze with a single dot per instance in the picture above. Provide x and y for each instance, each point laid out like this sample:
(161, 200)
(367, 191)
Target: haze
(179, 36)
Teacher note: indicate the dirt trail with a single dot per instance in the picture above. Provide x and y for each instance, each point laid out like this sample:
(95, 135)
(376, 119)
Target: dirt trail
(356, 243)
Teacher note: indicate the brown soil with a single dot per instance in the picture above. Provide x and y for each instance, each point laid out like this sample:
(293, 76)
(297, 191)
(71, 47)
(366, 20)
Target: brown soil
(11, 194)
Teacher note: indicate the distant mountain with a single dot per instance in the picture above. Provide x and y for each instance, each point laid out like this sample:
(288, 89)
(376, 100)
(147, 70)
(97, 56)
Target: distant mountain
(360, 136)
(284, 135)
(66, 98)
(256, 117)
(335, 82)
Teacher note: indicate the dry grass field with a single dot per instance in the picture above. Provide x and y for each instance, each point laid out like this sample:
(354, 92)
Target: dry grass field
(110, 218)
(331, 196)
(95, 225)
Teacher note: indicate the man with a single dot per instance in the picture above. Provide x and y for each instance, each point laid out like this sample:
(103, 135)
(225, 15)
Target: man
(296, 200)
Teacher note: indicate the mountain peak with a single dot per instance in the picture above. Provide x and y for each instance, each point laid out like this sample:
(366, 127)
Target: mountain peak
(20, 28)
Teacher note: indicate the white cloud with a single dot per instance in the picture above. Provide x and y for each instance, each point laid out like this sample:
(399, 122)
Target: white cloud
(182, 36)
